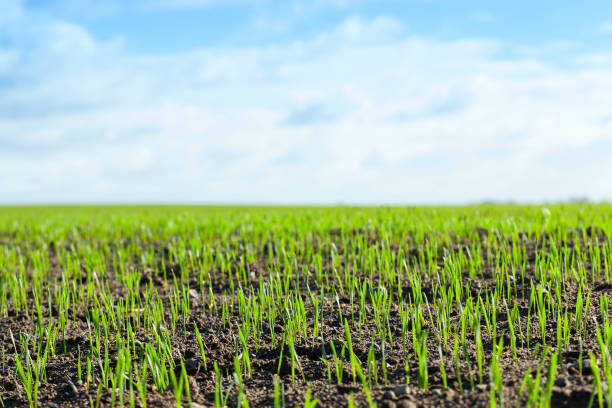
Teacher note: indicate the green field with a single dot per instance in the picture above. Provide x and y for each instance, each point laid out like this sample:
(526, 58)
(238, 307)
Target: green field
(488, 305)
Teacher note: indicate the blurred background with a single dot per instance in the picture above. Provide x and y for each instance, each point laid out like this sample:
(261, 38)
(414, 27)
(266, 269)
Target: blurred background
(305, 102)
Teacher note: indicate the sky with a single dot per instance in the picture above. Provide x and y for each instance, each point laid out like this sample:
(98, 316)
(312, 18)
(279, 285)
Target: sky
(305, 102)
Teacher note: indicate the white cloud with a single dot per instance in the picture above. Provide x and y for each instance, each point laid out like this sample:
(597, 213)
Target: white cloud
(362, 113)
(597, 59)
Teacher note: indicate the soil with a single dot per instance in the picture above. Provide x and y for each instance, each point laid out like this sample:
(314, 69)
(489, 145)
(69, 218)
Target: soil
(572, 388)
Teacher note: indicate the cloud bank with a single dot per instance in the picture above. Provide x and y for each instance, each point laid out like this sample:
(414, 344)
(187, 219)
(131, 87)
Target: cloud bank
(366, 112)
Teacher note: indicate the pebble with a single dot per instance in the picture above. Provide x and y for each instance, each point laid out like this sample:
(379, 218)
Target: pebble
(51, 404)
(192, 365)
(401, 390)
(406, 404)
(389, 395)
(389, 404)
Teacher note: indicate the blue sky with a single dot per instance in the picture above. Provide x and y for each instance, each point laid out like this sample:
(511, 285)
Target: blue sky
(305, 101)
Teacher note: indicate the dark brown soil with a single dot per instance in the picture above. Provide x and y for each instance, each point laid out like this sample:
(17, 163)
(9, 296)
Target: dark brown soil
(62, 388)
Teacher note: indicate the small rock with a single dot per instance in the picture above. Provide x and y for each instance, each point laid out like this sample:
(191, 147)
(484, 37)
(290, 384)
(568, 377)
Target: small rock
(389, 395)
(401, 390)
(192, 365)
(389, 404)
(51, 404)
(406, 404)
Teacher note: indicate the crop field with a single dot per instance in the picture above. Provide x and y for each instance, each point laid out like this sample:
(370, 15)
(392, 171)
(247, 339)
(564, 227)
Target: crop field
(144, 306)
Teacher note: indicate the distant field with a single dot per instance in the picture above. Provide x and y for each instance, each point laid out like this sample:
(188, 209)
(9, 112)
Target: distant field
(301, 306)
